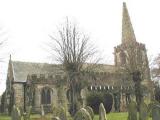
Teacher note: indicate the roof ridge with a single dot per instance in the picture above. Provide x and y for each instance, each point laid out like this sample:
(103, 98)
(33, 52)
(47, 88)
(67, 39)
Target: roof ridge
(34, 62)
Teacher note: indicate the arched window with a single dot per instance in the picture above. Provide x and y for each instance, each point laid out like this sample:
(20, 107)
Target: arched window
(43, 96)
(46, 96)
(122, 58)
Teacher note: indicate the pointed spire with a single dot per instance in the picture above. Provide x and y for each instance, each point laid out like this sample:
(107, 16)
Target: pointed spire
(10, 57)
(128, 35)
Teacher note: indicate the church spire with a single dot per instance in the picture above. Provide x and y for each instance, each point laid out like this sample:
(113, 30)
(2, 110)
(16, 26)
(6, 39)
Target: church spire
(127, 29)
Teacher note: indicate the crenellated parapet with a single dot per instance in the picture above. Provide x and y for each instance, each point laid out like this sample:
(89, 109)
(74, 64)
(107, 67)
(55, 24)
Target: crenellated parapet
(124, 46)
(99, 74)
(44, 78)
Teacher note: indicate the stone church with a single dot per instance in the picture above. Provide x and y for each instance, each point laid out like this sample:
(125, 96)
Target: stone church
(36, 83)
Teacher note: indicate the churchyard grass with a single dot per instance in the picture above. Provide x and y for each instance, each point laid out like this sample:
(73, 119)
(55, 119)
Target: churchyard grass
(116, 116)
(110, 116)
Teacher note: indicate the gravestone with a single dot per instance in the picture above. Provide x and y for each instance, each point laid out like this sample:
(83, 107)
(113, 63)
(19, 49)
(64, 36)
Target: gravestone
(82, 114)
(26, 116)
(15, 114)
(102, 112)
(156, 112)
(55, 111)
(62, 113)
(150, 106)
(55, 118)
(90, 111)
(42, 110)
(59, 112)
(132, 111)
(143, 111)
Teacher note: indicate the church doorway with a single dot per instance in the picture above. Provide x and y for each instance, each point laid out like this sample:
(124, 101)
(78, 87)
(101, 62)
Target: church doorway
(108, 102)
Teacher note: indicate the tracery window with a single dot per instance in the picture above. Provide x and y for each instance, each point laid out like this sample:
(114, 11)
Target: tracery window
(46, 96)
(122, 58)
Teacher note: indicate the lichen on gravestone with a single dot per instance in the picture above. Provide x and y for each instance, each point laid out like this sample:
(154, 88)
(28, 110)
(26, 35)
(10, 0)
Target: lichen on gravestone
(62, 114)
(82, 114)
(102, 112)
(26, 116)
(132, 111)
(143, 112)
(59, 112)
(156, 111)
(90, 111)
(15, 114)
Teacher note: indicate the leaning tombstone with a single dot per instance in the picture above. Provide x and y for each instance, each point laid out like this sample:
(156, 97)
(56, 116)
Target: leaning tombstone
(82, 114)
(102, 112)
(90, 111)
(156, 112)
(15, 114)
(132, 111)
(62, 114)
(143, 111)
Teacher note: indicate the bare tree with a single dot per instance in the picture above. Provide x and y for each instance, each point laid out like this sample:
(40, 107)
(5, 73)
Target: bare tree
(156, 67)
(73, 49)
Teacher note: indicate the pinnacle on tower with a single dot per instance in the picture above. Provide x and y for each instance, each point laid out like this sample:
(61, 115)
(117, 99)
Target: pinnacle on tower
(128, 35)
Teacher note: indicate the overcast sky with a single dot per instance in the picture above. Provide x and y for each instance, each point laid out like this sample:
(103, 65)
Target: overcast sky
(26, 24)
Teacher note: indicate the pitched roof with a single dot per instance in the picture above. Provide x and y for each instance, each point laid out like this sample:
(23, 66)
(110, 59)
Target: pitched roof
(22, 69)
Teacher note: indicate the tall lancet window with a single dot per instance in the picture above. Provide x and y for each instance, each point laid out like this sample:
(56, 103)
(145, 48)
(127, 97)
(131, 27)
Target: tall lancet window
(122, 58)
(46, 96)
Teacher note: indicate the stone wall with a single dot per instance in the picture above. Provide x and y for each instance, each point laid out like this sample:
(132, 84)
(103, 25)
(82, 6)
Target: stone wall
(18, 94)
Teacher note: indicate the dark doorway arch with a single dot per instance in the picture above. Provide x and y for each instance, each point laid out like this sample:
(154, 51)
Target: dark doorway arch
(108, 102)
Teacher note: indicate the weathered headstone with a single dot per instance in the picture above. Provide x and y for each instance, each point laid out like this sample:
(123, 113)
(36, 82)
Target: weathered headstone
(42, 111)
(90, 111)
(56, 118)
(132, 111)
(15, 114)
(55, 111)
(102, 112)
(150, 105)
(62, 113)
(82, 114)
(156, 112)
(59, 112)
(143, 111)
(26, 116)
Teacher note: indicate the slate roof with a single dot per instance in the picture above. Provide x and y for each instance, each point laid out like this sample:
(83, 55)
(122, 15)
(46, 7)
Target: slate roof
(22, 69)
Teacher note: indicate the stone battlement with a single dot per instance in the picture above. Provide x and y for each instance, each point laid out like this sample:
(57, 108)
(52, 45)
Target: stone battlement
(124, 46)
(98, 73)
(44, 77)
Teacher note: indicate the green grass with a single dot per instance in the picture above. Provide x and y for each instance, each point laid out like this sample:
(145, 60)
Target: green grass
(115, 116)
(110, 116)
(4, 117)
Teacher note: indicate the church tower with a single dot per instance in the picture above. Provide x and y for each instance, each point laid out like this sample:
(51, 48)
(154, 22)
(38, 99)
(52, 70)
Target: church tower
(131, 54)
